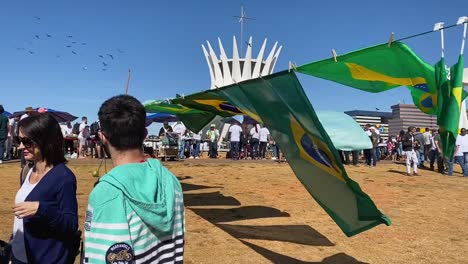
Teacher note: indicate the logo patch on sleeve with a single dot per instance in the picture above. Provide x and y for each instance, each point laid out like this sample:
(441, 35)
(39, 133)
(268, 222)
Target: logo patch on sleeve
(120, 253)
(88, 220)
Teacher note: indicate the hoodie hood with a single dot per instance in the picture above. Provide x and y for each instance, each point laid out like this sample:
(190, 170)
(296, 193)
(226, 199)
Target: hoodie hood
(150, 189)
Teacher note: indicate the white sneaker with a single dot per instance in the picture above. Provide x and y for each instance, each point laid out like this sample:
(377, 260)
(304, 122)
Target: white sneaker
(196, 157)
(273, 158)
(1, 161)
(191, 157)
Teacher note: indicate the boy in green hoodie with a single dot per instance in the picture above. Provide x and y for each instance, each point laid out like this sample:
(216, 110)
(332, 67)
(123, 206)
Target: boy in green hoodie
(136, 212)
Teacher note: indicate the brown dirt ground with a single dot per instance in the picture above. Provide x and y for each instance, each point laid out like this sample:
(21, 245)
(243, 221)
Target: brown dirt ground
(258, 212)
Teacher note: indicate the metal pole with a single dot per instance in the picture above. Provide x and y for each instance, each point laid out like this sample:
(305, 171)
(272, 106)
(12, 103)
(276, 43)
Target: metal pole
(128, 81)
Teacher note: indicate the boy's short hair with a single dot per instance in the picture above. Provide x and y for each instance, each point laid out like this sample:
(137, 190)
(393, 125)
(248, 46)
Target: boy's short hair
(123, 120)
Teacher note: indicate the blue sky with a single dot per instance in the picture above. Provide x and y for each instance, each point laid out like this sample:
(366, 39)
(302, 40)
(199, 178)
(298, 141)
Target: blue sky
(160, 41)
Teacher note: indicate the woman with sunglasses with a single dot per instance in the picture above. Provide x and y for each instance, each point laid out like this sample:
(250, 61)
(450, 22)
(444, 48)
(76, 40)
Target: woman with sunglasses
(46, 218)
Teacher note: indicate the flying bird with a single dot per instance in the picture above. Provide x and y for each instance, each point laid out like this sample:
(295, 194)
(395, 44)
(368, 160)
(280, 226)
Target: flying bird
(73, 42)
(119, 50)
(84, 68)
(110, 55)
(37, 18)
(73, 52)
(83, 43)
(105, 64)
(58, 56)
(104, 69)
(70, 36)
(37, 36)
(100, 56)
(48, 35)
(69, 46)
(31, 52)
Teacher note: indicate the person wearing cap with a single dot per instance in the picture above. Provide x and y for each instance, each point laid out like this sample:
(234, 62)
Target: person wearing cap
(370, 154)
(212, 135)
(27, 112)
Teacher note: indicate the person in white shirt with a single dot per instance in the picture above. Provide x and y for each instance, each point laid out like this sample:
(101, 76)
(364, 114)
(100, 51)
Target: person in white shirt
(180, 129)
(27, 112)
(213, 135)
(67, 132)
(254, 141)
(427, 143)
(234, 138)
(461, 153)
(82, 137)
(196, 140)
(264, 138)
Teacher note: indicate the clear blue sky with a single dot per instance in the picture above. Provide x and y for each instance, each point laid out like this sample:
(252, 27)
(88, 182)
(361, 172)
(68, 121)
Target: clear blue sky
(161, 43)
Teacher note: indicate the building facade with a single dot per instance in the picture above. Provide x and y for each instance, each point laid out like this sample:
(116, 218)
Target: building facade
(406, 115)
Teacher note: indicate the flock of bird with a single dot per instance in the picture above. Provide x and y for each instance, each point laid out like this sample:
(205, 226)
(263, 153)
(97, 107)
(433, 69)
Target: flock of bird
(73, 46)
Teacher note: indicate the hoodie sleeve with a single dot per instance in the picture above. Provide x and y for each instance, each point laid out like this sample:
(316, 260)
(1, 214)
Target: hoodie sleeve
(107, 237)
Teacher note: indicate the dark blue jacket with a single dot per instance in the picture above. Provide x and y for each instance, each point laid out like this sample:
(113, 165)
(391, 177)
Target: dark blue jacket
(49, 235)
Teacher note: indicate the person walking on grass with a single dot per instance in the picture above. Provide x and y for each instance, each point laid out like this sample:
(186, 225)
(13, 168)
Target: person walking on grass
(409, 144)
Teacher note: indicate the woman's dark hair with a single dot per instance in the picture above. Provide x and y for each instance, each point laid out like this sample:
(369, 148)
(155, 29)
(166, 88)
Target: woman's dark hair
(123, 120)
(45, 132)
(2, 109)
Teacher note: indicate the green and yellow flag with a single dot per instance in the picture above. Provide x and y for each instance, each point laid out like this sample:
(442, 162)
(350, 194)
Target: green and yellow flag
(194, 119)
(281, 104)
(380, 68)
(450, 98)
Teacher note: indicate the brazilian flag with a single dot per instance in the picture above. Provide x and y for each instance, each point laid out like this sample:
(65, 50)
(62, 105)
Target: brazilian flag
(280, 103)
(450, 99)
(194, 119)
(380, 68)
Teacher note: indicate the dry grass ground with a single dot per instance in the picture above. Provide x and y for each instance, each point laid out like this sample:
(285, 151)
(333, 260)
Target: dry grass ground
(258, 212)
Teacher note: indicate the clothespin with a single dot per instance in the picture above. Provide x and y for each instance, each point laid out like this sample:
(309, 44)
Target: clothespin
(334, 55)
(390, 40)
(438, 26)
(462, 20)
(294, 66)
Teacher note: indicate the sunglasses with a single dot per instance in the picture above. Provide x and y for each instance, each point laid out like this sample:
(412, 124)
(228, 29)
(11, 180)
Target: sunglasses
(25, 141)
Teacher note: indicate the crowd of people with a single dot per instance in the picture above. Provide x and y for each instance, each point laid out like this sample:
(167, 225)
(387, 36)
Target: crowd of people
(420, 150)
(245, 141)
(135, 212)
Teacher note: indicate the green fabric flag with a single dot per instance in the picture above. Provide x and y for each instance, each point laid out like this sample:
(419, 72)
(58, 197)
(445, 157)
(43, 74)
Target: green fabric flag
(211, 101)
(380, 68)
(193, 119)
(279, 101)
(450, 98)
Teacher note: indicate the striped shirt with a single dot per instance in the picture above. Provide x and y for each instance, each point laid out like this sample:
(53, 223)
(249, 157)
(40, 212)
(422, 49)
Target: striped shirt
(122, 229)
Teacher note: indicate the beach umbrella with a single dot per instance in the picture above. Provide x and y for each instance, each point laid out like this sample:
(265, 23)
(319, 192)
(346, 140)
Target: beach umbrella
(60, 116)
(160, 118)
(7, 114)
